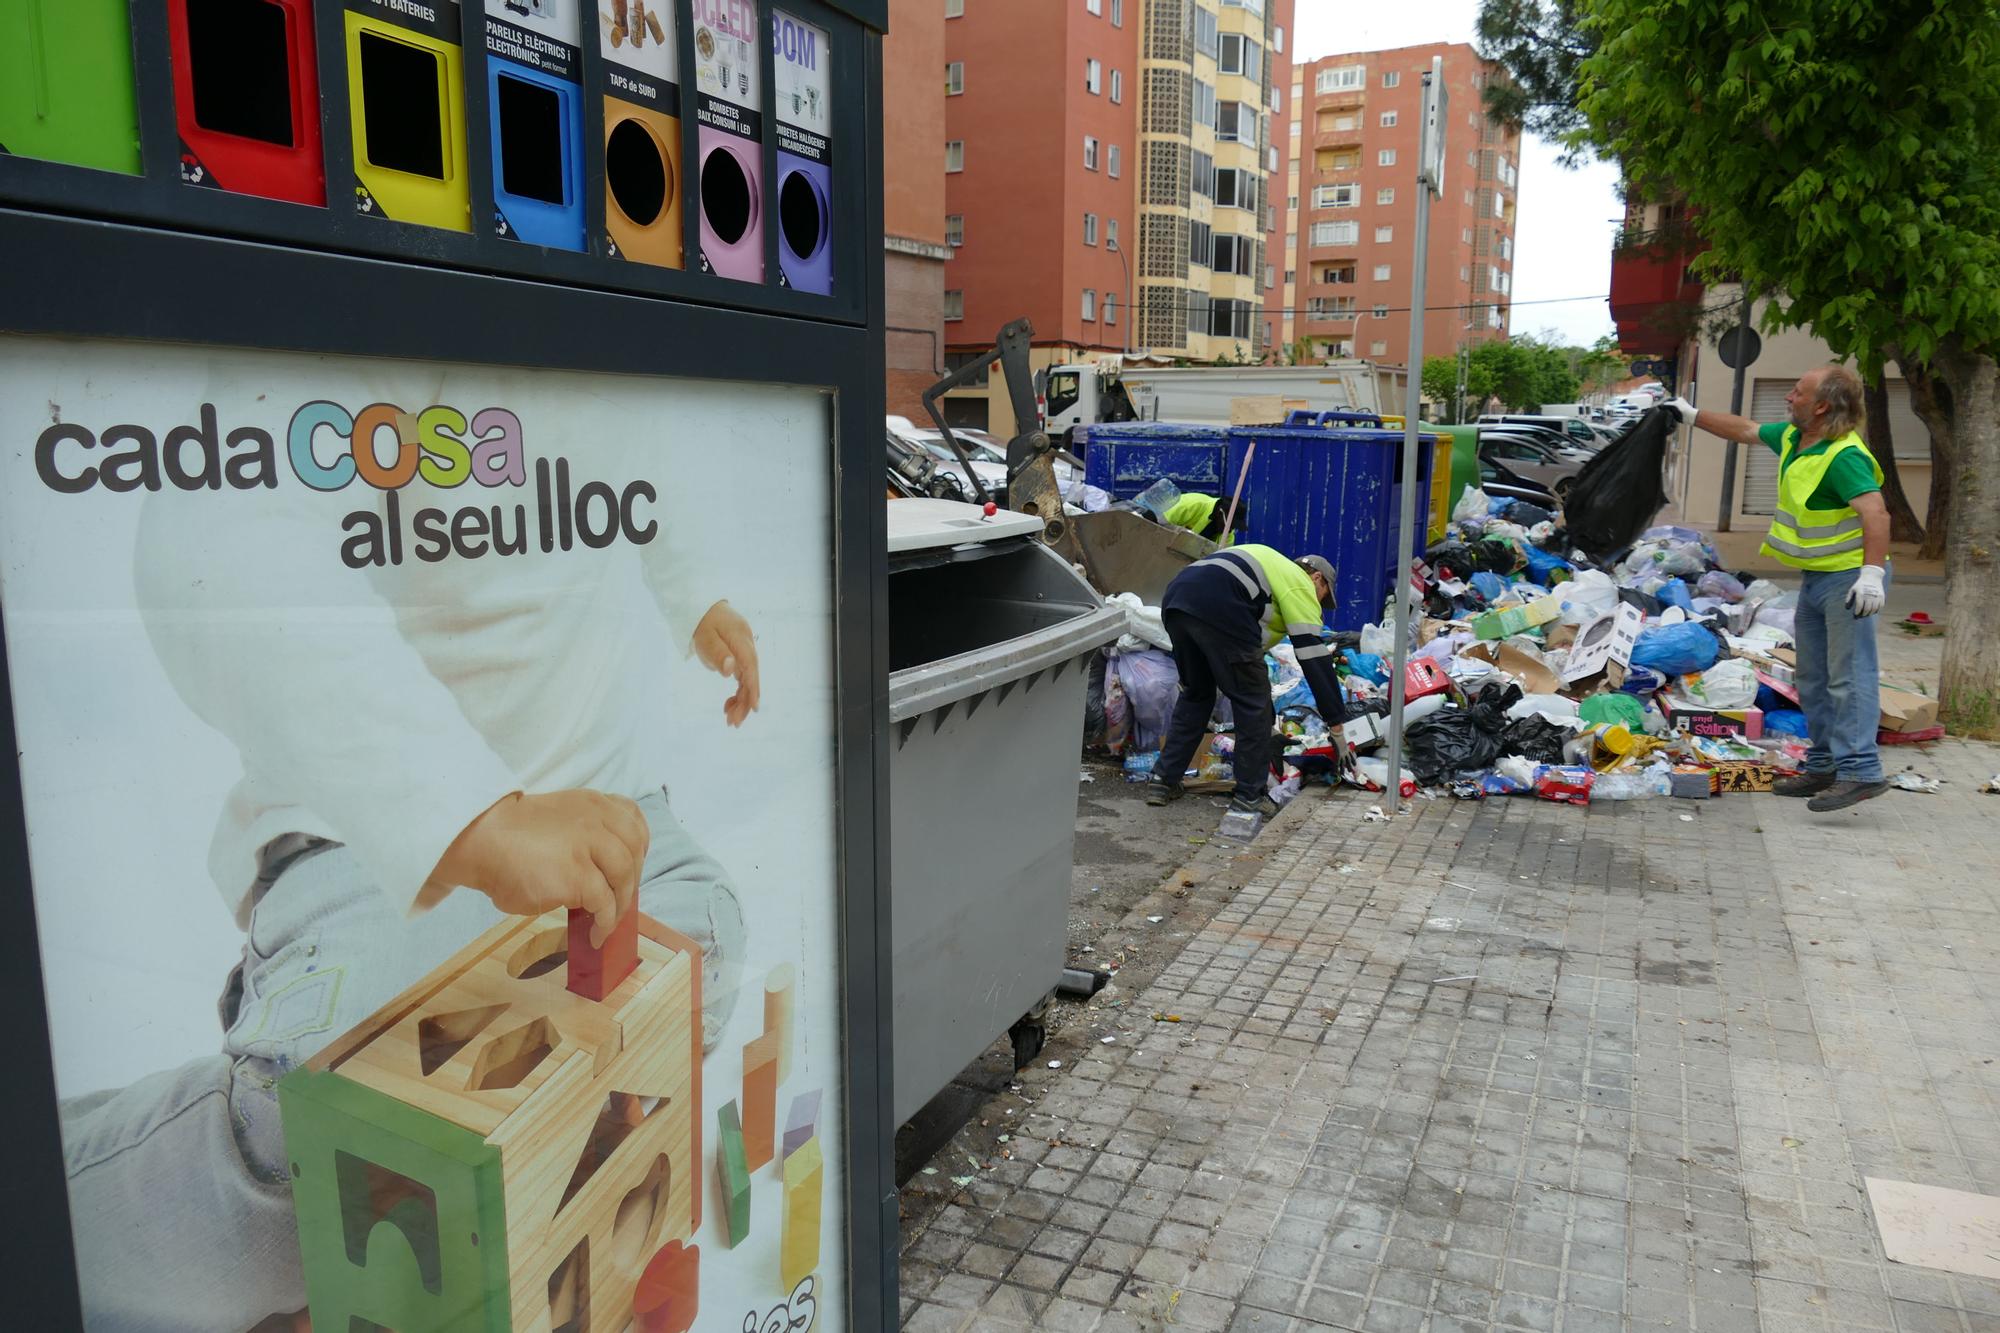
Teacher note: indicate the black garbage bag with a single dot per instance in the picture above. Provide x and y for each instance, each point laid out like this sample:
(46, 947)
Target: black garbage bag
(1461, 560)
(1528, 515)
(1448, 744)
(1489, 704)
(1613, 499)
(1535, 738)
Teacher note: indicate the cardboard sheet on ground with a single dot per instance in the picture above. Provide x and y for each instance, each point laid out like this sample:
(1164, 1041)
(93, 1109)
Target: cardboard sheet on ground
(1934, 1227)
(1607, 639)
(1532, 676)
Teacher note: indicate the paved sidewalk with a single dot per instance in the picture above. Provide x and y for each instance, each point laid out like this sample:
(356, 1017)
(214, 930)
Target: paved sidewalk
(1512, 1065)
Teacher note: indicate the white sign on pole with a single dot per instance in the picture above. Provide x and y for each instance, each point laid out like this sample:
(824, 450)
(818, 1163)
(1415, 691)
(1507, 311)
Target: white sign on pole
(1430, 154)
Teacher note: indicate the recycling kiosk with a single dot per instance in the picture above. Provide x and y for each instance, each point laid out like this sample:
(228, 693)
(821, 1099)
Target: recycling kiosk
(990, 633)
(391, 651)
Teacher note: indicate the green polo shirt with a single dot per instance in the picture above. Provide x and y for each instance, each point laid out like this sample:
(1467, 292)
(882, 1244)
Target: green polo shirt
(1847, 476)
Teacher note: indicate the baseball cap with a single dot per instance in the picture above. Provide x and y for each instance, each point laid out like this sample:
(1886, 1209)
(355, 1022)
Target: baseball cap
(1320, 565)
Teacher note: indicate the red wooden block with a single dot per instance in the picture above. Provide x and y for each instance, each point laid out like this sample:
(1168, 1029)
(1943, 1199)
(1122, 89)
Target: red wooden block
(760, 1099)
(669, 1290)
(595, 973)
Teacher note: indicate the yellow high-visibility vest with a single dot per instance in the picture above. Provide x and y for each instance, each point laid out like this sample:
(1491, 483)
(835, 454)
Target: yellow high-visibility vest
(1807, 538)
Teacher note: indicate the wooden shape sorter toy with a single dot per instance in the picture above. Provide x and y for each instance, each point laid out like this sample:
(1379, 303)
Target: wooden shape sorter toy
(491, 1151)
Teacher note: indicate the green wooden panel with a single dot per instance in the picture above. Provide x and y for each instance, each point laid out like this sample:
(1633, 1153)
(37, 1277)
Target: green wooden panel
(66, 89)
(402, 1216)
(731, 1173)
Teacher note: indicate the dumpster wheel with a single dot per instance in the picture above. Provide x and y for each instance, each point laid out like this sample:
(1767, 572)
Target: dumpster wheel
(1029, 1032)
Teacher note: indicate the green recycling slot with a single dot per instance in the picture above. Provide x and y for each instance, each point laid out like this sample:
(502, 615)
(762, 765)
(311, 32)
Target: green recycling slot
(66, 88)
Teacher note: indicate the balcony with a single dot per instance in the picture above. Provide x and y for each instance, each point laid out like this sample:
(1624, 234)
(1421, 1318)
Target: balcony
(1655, 300)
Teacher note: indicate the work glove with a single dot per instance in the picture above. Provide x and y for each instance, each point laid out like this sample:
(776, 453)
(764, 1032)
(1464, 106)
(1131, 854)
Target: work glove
(1864, 599)
(1682, 409)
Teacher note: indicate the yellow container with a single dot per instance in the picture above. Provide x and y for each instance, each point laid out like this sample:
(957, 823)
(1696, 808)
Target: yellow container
(1440, 487)
(406, 103)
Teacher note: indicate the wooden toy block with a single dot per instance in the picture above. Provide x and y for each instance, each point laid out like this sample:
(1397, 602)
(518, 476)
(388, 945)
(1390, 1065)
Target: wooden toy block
(669, 1294)
(568, 1128)
(731, 1174)
(801, 1122)
(798, 1255)
(595, 973)
(760, 1100)
(779, 991)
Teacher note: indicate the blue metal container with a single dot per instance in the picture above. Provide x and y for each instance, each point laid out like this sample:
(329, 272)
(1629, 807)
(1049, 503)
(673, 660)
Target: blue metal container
(1333, 490)
(1126, 457)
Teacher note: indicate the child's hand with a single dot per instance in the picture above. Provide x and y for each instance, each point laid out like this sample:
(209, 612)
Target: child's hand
(576, 848)
(725, 645)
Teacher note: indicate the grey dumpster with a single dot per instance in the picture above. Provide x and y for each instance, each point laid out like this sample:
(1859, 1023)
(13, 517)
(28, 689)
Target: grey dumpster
(989, 638)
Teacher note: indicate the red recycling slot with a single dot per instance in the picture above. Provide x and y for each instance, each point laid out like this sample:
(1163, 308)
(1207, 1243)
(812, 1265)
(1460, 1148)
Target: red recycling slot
(246, 97)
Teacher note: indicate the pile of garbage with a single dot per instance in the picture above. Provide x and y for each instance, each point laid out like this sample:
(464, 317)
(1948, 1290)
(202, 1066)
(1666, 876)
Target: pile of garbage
(1536, 670)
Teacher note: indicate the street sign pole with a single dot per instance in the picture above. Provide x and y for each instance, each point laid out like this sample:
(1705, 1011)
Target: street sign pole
(1430, 184)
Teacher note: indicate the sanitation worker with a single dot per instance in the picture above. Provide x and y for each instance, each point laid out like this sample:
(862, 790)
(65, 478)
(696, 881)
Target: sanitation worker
(1223, 613)
(1830, 524)
(1203, 515)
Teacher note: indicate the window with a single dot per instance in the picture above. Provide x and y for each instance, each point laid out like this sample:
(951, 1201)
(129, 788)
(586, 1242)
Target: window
(1387, 119)
(1464, 273)
(1277, 98)
(1235, 122)
(1203, 178)
(1338, 273)
(1093, 6)
(1234, 254)
(1278, 38)
(1507, 247)
(1090, 229)
(1093, 74)
(954, 155)
(1377, 349)
(954, 9)
(1204, 31)
(1466, 236)
(1111, 162)
(1089, 152)
(1386, 195)
(1204, 102)
(1499, 205)
(1270, 276)
(1200, 242)
(954, 305)
(1241, 55)
(1468, 198)
(1292, 202)
(954, 78)
(1117, 85)
(1235, 189)
(1385, 157)
(1291, 276)
(1117, 13)
(1111, 307)
(954, 229)
(1384, 235)
(1381, 273)
(1111, 232)
(1089, 303)
(1340, 79)
(1336, 233)
(1391, 77)
(1380, 312)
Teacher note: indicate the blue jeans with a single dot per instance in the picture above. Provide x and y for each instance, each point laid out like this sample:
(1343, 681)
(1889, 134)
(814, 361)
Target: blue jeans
(1839, 680)
(180, 1197)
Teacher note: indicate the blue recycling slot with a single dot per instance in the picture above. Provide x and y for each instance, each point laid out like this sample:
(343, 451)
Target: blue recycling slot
(537, 137)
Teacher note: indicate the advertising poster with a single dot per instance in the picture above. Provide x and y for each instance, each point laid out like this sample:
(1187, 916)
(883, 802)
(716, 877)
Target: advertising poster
(729, 92)
(337, 683)
(800, 66)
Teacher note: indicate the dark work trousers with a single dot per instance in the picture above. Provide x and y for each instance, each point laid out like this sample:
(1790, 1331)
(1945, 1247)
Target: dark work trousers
(1209, 661)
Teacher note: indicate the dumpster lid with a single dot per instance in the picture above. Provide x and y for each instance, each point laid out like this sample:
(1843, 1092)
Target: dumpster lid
(918, 525)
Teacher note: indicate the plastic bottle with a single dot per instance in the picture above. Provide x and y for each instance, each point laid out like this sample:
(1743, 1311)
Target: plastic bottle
(1631, 785)
(1375, 772)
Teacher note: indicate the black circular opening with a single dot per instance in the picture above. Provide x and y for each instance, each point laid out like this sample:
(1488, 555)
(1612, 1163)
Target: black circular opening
(799, 216)
(725, 196)
(636, 171)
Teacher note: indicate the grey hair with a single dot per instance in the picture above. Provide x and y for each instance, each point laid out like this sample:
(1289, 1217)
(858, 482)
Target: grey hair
(1840, 393)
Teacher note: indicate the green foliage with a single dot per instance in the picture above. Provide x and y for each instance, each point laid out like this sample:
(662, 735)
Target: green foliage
(1541, 46)
(1522, 373)
(1841, 154)
(1441, 379)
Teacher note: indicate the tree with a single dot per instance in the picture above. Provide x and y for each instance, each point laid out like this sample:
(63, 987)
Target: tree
(1541, 45)
(1842, 154)
(1441, 383)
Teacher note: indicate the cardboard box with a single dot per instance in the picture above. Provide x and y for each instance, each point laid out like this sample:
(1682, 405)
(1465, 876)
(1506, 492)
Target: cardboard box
(1734, 777)
(1904, 711)
(1424, 677)
(1745, 722)
(1605, 641)
(1506, 623)
(1532, 676)
(1364, 731)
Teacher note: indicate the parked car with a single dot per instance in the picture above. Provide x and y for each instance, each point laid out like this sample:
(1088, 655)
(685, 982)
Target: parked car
(1561, 444)
(1529, 460)
(1501, 484)
(1575, 429)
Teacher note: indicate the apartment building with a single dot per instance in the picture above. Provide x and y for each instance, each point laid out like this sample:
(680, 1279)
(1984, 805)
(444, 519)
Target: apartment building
(913, 205)
(1353, 131)
(1041, 115)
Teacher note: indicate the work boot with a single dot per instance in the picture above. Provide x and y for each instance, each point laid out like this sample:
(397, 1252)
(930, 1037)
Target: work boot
(1843, 794)
(1803, 784)
(1263, 807)
(1163, 793)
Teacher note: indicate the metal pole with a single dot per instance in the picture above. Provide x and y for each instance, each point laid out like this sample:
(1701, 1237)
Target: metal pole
(1429, 170)
(1735, 409)
(1125, 268)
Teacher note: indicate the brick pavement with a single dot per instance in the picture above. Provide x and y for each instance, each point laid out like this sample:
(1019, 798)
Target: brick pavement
(1517, 1066)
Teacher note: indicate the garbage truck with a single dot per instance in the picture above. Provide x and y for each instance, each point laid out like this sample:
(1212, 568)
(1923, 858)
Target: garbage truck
(1086, 393)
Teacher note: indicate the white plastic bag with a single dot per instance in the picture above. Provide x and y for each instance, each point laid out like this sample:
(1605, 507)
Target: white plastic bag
(1143, 628)
(1730, 684)
(1472, 506)
(1378, 640)
(1586, 597)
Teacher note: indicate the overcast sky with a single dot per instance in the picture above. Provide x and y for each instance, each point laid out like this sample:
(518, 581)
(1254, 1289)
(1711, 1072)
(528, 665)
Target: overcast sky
(1563, 243)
